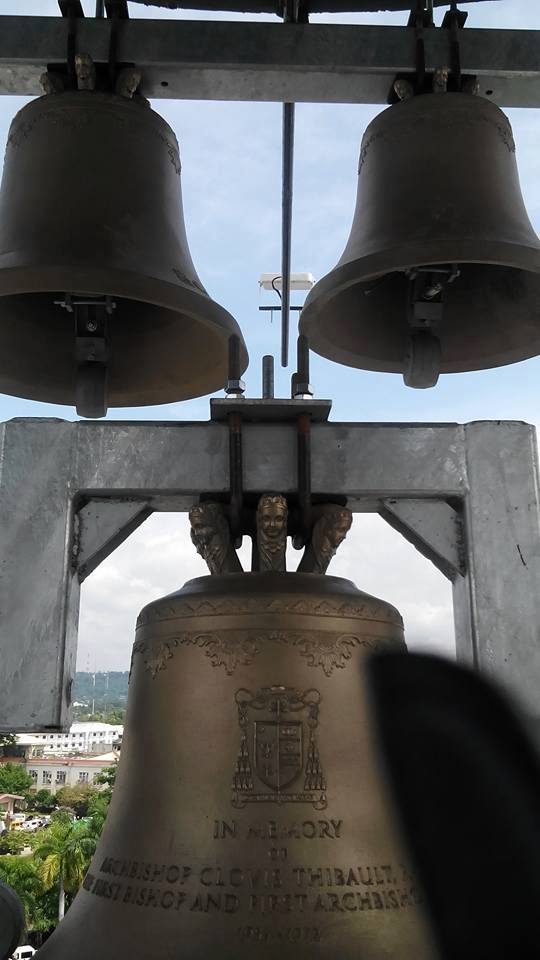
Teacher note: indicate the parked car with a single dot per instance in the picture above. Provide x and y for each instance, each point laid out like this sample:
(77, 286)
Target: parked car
(17, 821)
(24, 952)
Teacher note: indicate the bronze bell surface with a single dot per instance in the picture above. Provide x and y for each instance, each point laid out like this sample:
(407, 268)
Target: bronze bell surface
(441, 269)
(249, 816)
(97, 284)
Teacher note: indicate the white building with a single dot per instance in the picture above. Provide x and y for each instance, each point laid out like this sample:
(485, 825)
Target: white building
(53, 773)
(91, 737)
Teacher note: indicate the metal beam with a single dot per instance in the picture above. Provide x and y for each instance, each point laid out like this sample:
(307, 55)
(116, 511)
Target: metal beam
(100, 527)
(49, 470)
(276, 6)
(269, 61)
(434, 528)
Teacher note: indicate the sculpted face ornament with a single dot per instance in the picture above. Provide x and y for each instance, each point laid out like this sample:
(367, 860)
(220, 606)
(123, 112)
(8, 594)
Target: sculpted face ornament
(328, 534)
(211, 537)
(272, 532)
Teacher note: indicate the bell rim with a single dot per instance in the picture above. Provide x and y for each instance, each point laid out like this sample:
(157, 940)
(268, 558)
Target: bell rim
(178, 297)
(375, 266)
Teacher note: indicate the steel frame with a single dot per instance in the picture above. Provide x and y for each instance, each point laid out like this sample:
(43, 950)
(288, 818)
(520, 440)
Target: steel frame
(466, 496)
(292, 62)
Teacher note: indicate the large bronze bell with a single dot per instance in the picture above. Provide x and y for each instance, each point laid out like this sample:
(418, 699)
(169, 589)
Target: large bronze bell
(441, 270)
(249, 817)
(97, 285)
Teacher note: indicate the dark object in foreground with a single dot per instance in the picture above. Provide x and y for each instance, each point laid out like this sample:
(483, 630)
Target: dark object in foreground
(11, 921)
(466, 780)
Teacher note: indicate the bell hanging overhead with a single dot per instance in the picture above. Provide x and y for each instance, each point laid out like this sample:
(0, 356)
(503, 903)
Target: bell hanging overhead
(441, 270)
(99, 300)
(249, 818)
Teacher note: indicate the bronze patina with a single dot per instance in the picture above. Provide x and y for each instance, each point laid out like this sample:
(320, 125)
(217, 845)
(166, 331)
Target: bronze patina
(438, 188)
(250, 817)
(328, 534)
(211, 536)
(95, 268)
(272, 532)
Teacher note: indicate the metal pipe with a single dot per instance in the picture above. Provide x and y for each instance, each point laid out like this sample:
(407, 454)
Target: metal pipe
(268, 377)
(234, 357)
(302, 358)
(236, 474)
(300, 385)
(235, 386)
(100, 8)
(304, 475)
(286, 227)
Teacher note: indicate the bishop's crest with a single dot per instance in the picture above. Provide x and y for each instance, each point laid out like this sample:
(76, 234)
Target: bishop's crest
(278, 760)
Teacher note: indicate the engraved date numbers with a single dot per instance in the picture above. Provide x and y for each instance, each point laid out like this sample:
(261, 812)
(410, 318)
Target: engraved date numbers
(251, 934)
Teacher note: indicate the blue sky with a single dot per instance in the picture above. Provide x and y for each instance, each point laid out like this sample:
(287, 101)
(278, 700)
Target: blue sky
(231, 181)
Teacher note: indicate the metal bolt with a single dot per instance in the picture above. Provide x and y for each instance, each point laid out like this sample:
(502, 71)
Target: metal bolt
(91, 326)
(268, 377)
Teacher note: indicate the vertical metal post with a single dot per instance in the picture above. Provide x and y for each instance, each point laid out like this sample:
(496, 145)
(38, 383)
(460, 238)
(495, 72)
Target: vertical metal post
(290, 15)
(300, 385)
(236, 477)
(268, 377)
(304, 478)
(497, 602)
(235, 387)
(100, 9)
(286, 229)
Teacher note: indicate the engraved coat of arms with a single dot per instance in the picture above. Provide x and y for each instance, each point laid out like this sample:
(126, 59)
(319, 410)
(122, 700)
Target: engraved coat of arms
(278, 760)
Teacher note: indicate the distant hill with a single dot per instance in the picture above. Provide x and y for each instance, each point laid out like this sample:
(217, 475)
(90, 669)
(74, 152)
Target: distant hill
(100, 692)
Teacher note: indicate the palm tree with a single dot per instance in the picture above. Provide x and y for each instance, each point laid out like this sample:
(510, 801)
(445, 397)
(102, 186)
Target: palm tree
(63, 856)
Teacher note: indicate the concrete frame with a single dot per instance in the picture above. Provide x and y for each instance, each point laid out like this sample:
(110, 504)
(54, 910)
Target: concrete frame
(465, 495)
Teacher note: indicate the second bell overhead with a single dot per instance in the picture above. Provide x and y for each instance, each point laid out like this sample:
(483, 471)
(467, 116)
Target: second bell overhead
(441, 272)
(98, 293)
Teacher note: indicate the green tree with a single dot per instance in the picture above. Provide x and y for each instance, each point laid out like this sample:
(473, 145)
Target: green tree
(116, 715)
(14, 779)
(62, 856)
(42, 800)
(99, 804)
(107, 778)
(77, 798)
(40, 907)
(14, 841)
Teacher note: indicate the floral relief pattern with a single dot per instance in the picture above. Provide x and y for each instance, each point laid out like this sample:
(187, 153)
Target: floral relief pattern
(371, 609)
(323, 650)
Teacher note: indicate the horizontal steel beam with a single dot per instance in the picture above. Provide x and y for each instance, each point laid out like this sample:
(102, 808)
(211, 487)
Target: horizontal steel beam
(220, 60)
(276, 6)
